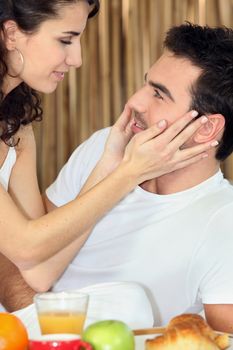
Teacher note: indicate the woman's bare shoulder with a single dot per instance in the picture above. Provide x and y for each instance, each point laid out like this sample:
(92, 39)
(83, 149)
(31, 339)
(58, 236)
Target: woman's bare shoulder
(24, 139)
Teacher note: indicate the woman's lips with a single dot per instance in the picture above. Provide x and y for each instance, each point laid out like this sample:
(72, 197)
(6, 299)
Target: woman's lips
(59, 75)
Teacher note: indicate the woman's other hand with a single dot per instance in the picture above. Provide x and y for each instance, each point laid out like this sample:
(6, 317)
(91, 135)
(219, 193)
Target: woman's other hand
(119, 136)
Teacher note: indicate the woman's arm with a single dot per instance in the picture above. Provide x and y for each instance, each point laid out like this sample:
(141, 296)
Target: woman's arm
(15, 293)
(29, 242)
(54, 267)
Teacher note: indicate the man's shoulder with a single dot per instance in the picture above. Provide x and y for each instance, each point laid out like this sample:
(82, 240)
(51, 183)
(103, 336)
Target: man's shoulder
(220, 197)
(216, 207)
(98, 137)
(92, 148)
(224, 202)
(224, 194)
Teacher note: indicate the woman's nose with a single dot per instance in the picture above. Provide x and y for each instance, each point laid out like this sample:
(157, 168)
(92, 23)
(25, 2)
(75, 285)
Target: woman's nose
(74, 57)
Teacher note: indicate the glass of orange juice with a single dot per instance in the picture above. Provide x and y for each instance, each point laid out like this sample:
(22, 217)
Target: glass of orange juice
(62, 312)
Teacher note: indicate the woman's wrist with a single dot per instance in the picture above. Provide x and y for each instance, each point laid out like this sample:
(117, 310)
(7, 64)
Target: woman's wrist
(108, 163)
(127, 174)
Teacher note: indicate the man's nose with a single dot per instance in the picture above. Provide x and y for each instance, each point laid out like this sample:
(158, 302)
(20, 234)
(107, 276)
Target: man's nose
(139, 101)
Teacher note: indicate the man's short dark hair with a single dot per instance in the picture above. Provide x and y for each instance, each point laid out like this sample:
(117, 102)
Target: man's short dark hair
(210, 49)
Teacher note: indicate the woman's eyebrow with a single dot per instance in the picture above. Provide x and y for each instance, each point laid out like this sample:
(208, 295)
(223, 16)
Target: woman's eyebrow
(71, 32)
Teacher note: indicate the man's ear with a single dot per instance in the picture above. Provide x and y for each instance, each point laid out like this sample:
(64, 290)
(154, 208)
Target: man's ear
(10, 31)
(211, 129)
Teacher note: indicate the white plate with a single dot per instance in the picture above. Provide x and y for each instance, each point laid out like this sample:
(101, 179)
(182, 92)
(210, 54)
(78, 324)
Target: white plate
(140, 342)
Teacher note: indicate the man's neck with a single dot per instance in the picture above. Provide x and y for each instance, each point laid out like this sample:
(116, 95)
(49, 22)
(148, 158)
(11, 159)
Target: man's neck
(183, 179)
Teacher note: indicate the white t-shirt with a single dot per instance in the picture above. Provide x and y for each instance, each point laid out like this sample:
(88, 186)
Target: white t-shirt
(179, 247)
(6, 169)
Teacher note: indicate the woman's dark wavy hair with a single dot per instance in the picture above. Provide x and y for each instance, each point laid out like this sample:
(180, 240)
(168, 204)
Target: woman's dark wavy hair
(211, 49)
(22, 105)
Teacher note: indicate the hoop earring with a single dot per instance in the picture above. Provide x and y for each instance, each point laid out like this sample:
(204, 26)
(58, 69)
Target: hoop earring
(22, 61)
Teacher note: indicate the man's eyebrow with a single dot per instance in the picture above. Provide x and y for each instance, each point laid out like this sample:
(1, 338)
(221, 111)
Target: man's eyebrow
(161, 87)
(72, 33)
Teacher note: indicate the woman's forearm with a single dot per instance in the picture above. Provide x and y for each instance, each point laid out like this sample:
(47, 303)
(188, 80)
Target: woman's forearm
(37, 240)
(42, 276)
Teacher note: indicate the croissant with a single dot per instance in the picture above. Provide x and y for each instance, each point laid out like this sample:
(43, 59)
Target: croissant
(188, 332)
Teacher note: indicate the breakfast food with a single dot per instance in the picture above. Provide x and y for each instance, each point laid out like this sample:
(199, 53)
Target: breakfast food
(13, 334)
(188, 331)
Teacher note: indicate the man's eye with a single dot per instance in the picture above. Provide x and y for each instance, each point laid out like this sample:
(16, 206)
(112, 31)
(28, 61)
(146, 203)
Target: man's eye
(157, 94)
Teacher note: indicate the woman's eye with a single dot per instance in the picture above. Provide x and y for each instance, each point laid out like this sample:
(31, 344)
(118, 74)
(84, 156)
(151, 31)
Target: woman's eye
(157, 94)
(66, 42)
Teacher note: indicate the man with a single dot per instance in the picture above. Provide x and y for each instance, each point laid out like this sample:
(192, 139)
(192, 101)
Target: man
(15, 294)
(172, 234)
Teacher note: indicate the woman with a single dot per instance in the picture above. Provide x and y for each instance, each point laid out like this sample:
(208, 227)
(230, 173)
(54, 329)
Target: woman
(39, 42)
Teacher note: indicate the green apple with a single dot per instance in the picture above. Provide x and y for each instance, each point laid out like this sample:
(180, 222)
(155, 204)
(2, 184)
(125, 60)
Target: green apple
(109, 335)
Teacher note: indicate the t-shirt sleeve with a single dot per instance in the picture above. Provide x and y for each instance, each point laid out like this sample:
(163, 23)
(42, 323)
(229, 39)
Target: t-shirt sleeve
(215, 259)
(75, 172)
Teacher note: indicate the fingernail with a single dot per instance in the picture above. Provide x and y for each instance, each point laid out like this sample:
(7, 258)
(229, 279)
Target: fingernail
(194, 114)
(214, 143)
(162, 123)
(204, 119)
